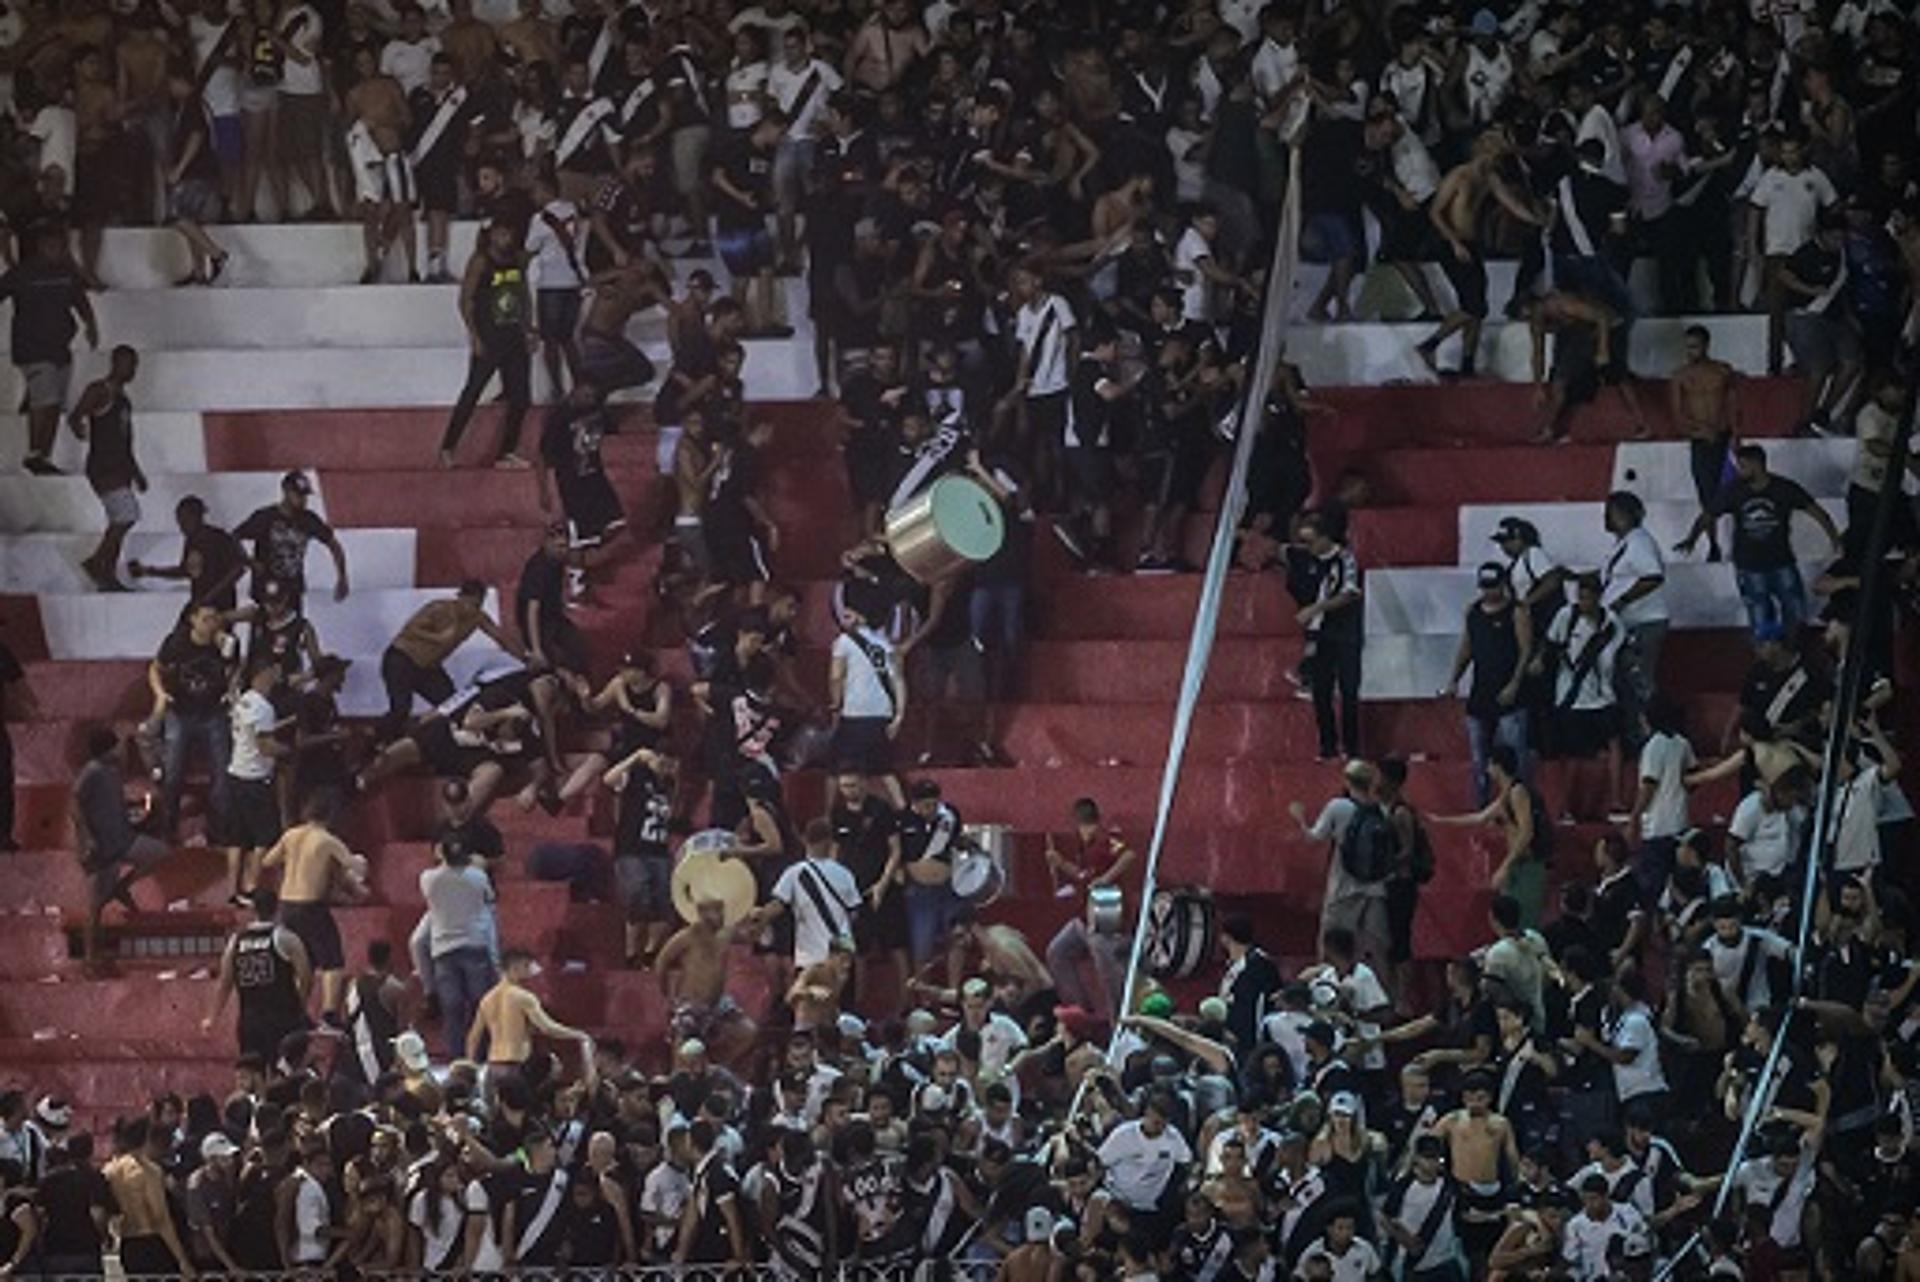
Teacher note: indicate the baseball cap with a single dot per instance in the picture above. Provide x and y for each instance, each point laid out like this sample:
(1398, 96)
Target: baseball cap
(700, 278)
(297, 482)
(933, 1098)
(53, 1112)
(1039, 1224)
(1515, 527)
(1491, 575)
(411, 1050)
(217, 1145)
(1076, 1020)
(1156, 1005)
(692, 1048)
(975, 987)
(1213, 1009)
(1344, 1102)
(1485, 23)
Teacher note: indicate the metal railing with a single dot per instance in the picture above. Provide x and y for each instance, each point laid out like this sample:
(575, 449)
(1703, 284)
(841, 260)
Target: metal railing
(919, 1271)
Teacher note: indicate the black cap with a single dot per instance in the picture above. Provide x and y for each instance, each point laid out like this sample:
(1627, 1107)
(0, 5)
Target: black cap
(1491, 575)
(1430, 1146)
(296, 481)
(1516, 527)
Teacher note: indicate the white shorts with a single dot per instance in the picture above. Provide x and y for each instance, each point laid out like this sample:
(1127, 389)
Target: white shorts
(121, 505)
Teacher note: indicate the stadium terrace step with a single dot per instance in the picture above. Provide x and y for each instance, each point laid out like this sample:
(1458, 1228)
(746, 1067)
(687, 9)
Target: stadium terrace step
(1434, 599)
(49, 563)
(163, 441)
(1575, 534)
(1375, 415)
(67, 504)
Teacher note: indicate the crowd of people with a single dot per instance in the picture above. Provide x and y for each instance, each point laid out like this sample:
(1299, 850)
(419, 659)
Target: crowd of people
(1034, 242)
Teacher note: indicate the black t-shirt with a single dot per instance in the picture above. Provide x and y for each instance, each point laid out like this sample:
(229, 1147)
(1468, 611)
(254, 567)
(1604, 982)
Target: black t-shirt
(1763, 521)
(195, 676)
(570, 439)
(44, 296)
(280, 538)
(1614, 903)
(749, 170)
(544, 579)
(66, 1199)
(478, 834)
(646, 807)
(211, 556)
(1815, 266)
(862, 835)
(714, 1184)
(1329, 165)
(1784, 698)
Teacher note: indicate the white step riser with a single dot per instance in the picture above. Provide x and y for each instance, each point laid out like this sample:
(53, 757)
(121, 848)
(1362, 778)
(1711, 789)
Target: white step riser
(1575, 536)
(1430, 601)
(169, 441)
(67, 504)
(50, 563)
(1662, 471)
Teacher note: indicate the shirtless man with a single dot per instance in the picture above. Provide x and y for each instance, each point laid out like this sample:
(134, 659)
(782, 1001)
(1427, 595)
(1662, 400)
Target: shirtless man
(508, 1017)
(469, 42)
(693, 977)
(1455, 213)
(1530, 1246)
(140, 55)
(99, 156)
(815, 995)
(317, 864)
(1477, 1140)
(1586, 356)
(608, 359)
(414, 662)
(378, 118)
(149, 1244)
(1703, 396)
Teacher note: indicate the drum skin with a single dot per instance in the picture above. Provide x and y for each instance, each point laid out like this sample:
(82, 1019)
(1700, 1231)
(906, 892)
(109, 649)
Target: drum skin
(1106, 910)
(702, 871)
(948, 526)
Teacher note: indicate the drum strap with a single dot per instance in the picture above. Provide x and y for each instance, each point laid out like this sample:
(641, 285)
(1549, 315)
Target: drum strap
(837, 923)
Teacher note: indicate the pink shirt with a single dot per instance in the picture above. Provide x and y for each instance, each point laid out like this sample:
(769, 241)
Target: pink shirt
(1649, 193)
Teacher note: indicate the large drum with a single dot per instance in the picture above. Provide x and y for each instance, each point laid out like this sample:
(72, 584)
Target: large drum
(1179, 933)
(980, 863)
(704, 870)
(1106, 910)
(948, 526)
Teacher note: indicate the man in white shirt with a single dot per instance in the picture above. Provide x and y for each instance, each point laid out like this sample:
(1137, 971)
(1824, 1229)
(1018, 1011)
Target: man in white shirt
(1199, 270)
(799, 85)
(1349, 1257)
(312, 1212)
(1633, 1043)
(1142, 1157)
(1659, 812)
(216, 40)
(1856, 849)
(408, 57)
(867, 694)
(820, 894)
(1789, 196)
(305, 129)
(1764, 835)
(1783, 1180)
(556, 236)
(249, 811)
(1656, 157)
(1601, 1226)
(1740, 955)
(1633, 582)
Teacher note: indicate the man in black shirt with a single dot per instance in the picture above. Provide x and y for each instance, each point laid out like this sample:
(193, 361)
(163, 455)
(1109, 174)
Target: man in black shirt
(1762, 507)
(716, 1231)
(73, 1201)
(280, 534)
(1783, 694)
(211, 560)
(642, 868)
(47, 294)
(1822, 336)
(742, 179)
(192, 672)
(866, 830)
(540, 603)
(104, 419)
(1592, 222)
(1496, 642)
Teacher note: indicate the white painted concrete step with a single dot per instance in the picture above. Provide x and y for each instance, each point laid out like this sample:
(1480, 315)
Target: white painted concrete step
(1431, 600)
(1662, 471)
(1371, 353)
(50, 563)
(1575, 536)
(68, 505)
(163, 441)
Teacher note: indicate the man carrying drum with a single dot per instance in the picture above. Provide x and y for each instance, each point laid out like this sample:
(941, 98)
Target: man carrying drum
(1094, 933)
(693, 977)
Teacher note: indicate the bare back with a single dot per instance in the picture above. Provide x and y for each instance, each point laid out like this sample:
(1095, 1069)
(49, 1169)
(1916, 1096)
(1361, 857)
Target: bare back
(312, 858)
(1703, 399)
(504, 1014)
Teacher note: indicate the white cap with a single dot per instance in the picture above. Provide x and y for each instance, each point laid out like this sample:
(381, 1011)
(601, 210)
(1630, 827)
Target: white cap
(1039, 1225)
(411, 1050)
(1344, 1102)
(53, 1113)
(933, 1098)
(217, 1145)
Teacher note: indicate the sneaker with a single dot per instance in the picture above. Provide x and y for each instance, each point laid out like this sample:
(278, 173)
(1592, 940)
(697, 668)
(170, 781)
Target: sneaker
(1152, 563)
(40, 465)
(511, 463)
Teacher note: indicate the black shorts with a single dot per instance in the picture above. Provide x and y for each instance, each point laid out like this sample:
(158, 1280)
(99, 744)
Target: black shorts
(590, 504)
(558, 312)
(1090, 475)
(147, 1254)
(734, 554)
(1403, 899)
(611, 362)
(1469, 280)
(1047, 417)
(957, 667)
(445, 757)
(861, 745)
(1583, 733)
(252, 815)
(438, 183)
(316, 928)
(885, 931)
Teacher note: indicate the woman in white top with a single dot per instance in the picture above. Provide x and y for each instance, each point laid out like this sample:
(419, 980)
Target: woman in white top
(747, 80)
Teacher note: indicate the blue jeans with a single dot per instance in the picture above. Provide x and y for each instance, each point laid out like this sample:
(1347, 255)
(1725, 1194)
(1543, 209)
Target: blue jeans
(1773, 596)
(931, 912)
(181, 731)
(1510, 728)
(997, 614)
(460, 979)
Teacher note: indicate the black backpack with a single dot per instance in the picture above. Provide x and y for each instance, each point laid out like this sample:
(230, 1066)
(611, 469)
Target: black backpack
(1368, 846)
(1420, 860)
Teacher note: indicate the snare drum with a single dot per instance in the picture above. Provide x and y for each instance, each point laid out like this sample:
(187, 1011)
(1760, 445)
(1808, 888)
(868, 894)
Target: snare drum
(703, 870)
(1106, 910)
(948, 526)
